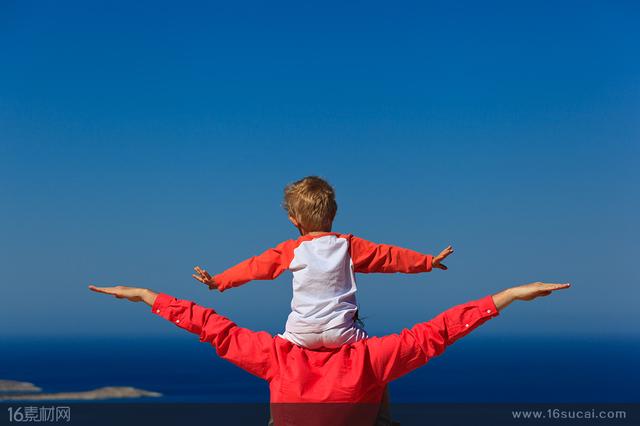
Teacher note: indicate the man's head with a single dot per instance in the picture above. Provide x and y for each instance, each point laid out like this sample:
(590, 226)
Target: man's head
(311, 204)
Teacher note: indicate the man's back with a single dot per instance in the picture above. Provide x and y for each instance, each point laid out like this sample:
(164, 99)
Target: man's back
(355, 373)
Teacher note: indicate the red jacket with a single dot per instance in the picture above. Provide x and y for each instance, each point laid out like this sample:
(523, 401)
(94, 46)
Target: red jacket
(364, 256)
(355, 373)
(323, 267)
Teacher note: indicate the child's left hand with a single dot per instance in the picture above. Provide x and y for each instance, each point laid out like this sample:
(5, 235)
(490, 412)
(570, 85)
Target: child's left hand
(435, 262)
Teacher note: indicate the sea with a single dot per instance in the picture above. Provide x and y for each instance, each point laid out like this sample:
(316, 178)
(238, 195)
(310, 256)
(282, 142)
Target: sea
(474, 370)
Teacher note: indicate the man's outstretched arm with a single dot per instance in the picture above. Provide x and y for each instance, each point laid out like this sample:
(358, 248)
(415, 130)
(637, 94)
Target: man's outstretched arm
(395, 355)
(249, 350)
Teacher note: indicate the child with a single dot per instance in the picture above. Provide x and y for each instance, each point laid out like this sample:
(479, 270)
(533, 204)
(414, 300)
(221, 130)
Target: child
(324, 312)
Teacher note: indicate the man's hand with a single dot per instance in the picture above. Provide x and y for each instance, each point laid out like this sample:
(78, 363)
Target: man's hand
(204, 277)
(531, 291)
(132, 294)
(525, 292)
(435, 262)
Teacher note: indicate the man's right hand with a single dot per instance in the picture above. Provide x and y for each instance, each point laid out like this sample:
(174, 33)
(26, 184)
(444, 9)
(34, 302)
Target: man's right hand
(531, 291)
(204, 277)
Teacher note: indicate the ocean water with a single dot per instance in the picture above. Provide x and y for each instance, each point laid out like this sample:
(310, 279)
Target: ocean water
(485, 369)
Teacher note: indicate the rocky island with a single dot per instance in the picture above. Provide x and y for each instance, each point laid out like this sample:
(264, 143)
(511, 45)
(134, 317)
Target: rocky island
(11, 390)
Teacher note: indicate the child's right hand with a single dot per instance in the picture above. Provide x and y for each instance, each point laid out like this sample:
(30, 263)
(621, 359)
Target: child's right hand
(204, 277)
(435, 262)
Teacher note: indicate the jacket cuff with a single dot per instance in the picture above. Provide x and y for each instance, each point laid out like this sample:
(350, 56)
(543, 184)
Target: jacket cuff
(219, 287)
(173, 310)
(162, 301)
(488, 307)
(161, 305)
(478, 312)
(429, 263)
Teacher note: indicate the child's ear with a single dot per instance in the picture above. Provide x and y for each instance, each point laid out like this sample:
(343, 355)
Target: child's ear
(294, 221)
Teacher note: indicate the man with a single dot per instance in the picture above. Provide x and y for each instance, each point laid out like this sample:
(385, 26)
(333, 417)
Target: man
(337, 386)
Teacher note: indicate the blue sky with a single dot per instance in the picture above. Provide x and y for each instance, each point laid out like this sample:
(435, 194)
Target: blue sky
(139, 140)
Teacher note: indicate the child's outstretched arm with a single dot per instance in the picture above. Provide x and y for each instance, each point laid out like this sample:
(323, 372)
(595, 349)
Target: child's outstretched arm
(249, 350)
(372, 257)
(265, 266)
(395, 355)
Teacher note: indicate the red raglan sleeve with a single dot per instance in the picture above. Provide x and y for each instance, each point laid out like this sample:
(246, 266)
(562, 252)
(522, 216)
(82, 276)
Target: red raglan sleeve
(265, 266)
(371, 257)
(396, 355)
(252, 351)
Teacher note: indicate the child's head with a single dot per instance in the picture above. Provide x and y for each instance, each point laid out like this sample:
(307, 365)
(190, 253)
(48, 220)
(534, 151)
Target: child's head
(311, 204)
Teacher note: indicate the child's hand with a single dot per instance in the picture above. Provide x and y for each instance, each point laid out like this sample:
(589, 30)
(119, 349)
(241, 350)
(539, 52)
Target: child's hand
(204, 277)
(435, 262)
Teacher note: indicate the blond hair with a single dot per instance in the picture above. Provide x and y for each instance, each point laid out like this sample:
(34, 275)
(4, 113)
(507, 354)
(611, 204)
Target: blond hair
(312, 202)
